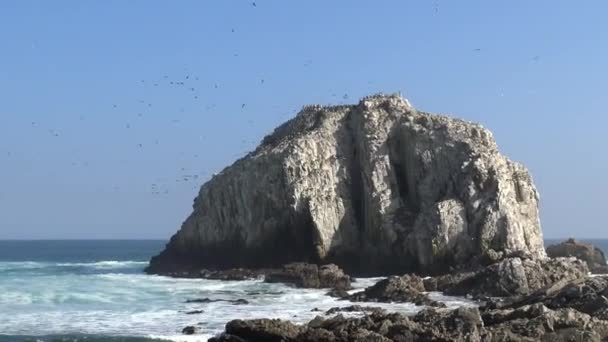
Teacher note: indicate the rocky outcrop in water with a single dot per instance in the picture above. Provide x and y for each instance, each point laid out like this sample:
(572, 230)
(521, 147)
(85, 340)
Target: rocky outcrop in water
(377, 188)
(509, 277)
(310, 276)
(407, 288)
(593, 256)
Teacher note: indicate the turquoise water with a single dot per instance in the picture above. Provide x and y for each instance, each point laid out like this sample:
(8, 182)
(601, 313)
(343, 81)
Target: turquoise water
(96, 291)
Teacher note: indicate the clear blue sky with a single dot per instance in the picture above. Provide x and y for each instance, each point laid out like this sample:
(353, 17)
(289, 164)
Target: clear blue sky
(84, 83)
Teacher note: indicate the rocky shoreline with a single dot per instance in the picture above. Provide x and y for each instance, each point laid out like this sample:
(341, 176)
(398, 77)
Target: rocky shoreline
(380, 188)
(520, 300)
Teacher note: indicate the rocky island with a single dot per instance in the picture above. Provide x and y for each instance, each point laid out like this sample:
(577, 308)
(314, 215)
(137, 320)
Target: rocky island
(376, 188)
(380, 188)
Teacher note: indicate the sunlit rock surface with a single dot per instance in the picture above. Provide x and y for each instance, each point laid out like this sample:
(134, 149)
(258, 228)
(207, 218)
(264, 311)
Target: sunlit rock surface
(377, 187)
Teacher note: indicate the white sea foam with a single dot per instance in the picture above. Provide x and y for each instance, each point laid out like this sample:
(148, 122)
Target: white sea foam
(183, 338)
(35, 265)
(105, 264)
(142, 305)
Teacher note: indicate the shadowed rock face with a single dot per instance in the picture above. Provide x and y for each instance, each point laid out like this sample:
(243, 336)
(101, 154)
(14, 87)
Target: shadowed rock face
(376, 188)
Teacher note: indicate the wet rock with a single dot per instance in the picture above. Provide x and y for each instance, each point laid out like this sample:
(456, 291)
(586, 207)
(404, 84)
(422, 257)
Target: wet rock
(593, 256)
(233, 274)
(355, 308)
(195, 312)
(202, 300)
(239, 301)
(311, 276)
(189, 330)
(395, 289)
(338, 293)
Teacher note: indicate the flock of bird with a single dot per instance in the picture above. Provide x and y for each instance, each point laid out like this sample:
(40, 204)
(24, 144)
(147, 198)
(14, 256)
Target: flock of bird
(191, 85)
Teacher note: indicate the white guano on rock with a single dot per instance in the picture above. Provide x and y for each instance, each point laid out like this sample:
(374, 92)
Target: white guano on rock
(375, 187)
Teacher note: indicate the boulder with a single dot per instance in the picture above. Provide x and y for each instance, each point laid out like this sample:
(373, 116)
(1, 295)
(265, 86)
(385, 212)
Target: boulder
(338, 293)
(264, 330)
(593, 256)
(394, 289)
(189, 330)
(376, 188)
(510, 277)
(311, 276)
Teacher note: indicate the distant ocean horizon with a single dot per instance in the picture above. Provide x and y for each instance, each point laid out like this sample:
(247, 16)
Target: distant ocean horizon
(95, 290)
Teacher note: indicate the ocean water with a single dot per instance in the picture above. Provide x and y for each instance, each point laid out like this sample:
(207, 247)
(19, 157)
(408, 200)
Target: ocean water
(97, 291)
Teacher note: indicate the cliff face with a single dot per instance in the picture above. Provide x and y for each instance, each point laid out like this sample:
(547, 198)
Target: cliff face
(375, 187)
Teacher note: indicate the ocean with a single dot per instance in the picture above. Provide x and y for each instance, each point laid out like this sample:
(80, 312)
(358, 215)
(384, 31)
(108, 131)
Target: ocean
(96, 291)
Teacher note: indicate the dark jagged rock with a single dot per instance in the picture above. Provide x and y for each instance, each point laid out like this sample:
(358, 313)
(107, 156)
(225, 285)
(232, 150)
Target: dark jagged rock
(235, 274)
(355, 308)
(407, 288)
(510, 277)
(195, 312)
(528, 323)
(593, 256)
(311, 276)
(539, 323)
(376, 188)
(239, 301)
(588, 295)
(264, 330)
(462, 324)
(189, 330)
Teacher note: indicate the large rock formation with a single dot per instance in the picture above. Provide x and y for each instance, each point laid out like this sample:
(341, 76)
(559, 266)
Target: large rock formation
(376, 187)
(593, 256)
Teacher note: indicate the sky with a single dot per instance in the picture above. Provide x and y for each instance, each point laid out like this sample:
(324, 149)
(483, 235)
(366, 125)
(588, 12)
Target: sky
(113, 113)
